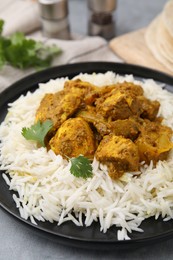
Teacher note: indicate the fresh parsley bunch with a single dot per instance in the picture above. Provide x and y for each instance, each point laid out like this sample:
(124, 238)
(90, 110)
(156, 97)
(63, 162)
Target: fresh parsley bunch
(20, 52)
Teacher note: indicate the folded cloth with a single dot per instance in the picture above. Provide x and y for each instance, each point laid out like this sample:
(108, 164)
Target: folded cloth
(85, 49)
(20, 15)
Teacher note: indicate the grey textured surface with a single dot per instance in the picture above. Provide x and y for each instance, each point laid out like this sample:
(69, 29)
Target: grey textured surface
(19, 242)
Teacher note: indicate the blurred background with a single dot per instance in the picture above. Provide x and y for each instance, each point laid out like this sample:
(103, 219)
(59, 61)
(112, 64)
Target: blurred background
(130, 14)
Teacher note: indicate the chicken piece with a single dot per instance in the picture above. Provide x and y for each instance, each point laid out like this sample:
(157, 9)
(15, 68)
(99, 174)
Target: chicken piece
(58, 107)
(119, 154)
(128, 128)
(73, 138)
(80, 86)
(154, 142)
(129, 87)
(90, 115)
(149, 108)
(93, 95)
(119, 106)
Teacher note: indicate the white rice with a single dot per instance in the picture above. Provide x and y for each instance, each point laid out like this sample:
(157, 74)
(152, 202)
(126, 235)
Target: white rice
(47, 191)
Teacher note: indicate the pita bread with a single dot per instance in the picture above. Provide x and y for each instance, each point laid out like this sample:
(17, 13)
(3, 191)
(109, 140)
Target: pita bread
(151, 37)
(164, 40)
(168, 16)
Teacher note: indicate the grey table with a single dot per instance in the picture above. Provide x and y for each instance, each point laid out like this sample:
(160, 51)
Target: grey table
(19, 242)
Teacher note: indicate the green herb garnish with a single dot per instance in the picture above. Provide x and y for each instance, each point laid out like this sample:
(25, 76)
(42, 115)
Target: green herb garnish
(38, 131)
(81, 167)
(21, 52)
(1, 26)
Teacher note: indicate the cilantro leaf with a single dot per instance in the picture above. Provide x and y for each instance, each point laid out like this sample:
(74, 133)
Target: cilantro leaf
(1, 26)
(21, 52)
(38, 131)
(81, 167)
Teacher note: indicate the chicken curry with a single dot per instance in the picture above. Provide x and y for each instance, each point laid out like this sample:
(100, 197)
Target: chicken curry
(116, 124)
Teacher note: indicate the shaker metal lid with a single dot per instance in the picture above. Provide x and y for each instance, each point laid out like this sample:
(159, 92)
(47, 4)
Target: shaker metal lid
(102, 5)
(53, 9)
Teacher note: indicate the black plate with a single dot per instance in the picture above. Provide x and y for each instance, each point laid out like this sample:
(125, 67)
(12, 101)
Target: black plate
(68, 233)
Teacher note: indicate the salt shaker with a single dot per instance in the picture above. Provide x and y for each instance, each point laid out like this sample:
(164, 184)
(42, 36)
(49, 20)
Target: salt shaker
(54, 18)
(101, 18)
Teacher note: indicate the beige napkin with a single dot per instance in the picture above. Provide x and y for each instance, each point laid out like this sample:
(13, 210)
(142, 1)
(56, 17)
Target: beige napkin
(20, 15)
(80, 50)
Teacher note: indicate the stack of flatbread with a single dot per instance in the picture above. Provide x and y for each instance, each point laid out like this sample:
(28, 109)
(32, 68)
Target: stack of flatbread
(159, 36)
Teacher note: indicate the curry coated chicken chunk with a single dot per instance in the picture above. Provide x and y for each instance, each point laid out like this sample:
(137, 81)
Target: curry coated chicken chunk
(130, 88)
(118, 106)
(58, 107)
(120, 102)
(119, 154)
(73, 138)
(90, 115)
(128, 128)
(79, 86)
(154, 142)
(149, 108)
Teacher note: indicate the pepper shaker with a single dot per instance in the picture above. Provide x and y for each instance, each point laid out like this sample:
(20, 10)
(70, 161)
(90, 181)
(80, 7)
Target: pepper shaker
(54, 19)
(101, 19)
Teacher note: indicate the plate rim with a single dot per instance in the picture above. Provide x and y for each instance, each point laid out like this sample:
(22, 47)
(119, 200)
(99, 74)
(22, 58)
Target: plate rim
(76, 68)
